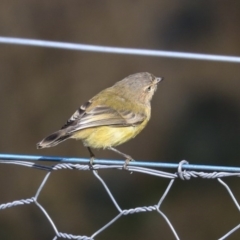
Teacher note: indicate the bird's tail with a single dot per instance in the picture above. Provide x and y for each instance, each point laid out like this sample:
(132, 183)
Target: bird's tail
(53, 139)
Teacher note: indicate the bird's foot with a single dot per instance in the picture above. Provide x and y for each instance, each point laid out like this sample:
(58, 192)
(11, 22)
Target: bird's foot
(91, 163)
(128, 159)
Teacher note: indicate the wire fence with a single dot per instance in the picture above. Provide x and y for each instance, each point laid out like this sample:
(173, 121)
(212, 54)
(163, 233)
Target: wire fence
(182, 171)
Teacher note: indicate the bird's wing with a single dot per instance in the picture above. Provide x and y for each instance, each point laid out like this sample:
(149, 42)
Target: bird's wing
(101, 115)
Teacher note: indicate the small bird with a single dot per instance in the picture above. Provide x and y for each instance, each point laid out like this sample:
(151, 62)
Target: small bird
(112, 117)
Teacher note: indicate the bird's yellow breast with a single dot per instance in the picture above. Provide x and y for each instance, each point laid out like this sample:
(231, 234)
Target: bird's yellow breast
(107, 136)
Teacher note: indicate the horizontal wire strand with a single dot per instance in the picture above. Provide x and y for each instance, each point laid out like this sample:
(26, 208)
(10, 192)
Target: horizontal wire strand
(117, 50)
(18, 157)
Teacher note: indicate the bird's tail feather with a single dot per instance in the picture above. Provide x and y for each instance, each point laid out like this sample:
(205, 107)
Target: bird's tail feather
(53, 139)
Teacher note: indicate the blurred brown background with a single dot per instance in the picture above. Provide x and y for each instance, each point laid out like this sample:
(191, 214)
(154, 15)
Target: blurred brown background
(195, 115)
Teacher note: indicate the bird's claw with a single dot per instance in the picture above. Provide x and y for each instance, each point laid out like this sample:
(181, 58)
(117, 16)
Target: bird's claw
(91, 163)
(129, 159)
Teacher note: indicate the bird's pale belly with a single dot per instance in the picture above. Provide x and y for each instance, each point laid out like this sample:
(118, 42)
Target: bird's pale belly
(107, 136)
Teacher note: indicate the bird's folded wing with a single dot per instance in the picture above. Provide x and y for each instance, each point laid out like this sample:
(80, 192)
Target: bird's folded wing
(102, 116)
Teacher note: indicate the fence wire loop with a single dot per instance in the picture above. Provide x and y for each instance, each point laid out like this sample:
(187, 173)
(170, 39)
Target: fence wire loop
(182, 174)
(96, 168)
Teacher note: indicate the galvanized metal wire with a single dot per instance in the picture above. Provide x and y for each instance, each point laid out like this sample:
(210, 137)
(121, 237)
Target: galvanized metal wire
(117, 50)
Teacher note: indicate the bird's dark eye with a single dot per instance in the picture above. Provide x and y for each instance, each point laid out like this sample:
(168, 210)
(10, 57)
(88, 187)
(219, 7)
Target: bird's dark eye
(149, 88)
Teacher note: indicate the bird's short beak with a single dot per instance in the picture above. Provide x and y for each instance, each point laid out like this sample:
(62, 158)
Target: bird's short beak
(159, 79)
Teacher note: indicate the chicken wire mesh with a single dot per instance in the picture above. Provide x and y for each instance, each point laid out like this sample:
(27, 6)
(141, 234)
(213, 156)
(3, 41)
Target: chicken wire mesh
(181, 173)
